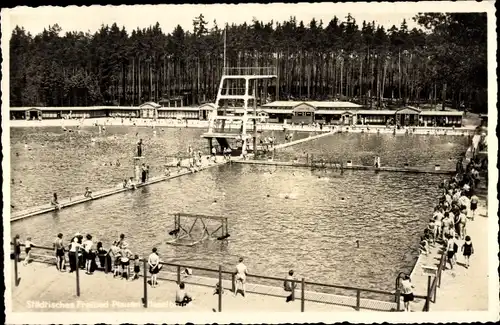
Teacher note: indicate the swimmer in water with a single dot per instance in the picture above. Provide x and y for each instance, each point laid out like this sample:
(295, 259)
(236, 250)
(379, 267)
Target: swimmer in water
(357, 243)
(215, 201)
(17, 154)
(268, 195)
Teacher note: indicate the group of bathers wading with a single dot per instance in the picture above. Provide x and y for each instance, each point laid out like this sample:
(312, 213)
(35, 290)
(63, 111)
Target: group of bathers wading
(457, 204)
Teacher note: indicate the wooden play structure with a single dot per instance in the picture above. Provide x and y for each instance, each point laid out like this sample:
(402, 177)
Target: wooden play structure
(184, 224)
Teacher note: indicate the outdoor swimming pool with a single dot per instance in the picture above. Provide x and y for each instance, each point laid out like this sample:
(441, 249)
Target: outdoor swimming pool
(312, 231)
(47, 160)
(393, 150)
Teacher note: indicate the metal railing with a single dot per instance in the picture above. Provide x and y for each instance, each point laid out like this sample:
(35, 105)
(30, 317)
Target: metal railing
(175, 275)
(250, 71)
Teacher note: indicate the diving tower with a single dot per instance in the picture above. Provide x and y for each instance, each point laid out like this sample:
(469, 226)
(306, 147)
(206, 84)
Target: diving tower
(236, 105)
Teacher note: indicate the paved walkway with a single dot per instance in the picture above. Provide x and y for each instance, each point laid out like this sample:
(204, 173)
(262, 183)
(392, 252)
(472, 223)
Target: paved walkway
(43, 288)
(466, 129)
(461, 289)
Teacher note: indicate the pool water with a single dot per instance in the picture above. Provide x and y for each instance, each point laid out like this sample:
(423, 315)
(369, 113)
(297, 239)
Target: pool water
(47, 160)
(280, 218)
(393, 150)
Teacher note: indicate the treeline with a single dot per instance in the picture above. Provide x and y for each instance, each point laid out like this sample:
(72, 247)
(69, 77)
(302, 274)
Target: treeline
(445, 59)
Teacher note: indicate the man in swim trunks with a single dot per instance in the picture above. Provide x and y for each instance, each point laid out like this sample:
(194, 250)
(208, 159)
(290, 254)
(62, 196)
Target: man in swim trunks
(114, 253)
(241, 275)
(59, 252)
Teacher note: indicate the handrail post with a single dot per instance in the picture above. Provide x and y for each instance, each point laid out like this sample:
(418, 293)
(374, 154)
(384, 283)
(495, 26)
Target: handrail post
(178, 274)
(106, 263)
(16, 258)
(398, 299)
(233, 282)
(145, 299)
(302, 298)
(358, 299)
(428, 297)
(434, 292)
(77, 272)
(220, 288)
(294, 285)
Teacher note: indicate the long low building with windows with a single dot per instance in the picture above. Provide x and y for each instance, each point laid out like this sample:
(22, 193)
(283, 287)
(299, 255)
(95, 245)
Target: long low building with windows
(295, 112)
(353, 114)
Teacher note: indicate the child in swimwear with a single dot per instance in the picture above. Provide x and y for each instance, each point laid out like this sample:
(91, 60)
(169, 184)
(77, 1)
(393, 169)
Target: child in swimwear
(27, 247)
(137, 267)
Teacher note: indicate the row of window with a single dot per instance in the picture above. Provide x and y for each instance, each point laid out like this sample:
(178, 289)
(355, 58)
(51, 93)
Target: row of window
(186, 115)
(374, 118)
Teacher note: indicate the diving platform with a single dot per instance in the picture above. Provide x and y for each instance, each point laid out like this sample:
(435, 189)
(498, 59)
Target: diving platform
(251, 72)
(226, 135)
(240, 85)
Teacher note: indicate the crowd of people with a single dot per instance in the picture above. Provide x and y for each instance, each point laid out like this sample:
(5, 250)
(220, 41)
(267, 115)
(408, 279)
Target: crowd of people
(457, 206)
(82, 253)
(447, 228)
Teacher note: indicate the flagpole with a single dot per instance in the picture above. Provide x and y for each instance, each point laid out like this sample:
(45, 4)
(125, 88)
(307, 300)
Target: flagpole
(225, 48)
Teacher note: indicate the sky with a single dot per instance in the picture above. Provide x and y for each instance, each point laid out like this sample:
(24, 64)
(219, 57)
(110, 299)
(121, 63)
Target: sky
(91, 18)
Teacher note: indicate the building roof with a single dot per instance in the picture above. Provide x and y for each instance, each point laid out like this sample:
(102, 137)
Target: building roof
(334, 112)
(277, 110)
(207, 106)
(304, 107)
(408, 110)
(150, 104)
(317, 104)
(376, 112)
(442, 113)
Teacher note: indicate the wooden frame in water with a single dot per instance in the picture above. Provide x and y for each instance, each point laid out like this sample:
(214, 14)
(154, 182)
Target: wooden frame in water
(189, 220)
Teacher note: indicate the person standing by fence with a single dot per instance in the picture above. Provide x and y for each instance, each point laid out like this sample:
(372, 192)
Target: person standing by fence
(74, 245)
(407, 292)
(59, 252)
(241, 275)
(27, 246)
(289, 285)
(154, 267)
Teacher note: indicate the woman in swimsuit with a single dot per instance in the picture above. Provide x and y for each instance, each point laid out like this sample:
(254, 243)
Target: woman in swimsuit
(154, 267)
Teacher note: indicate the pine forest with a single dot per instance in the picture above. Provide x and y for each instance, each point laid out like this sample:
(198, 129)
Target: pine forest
(443, 61)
